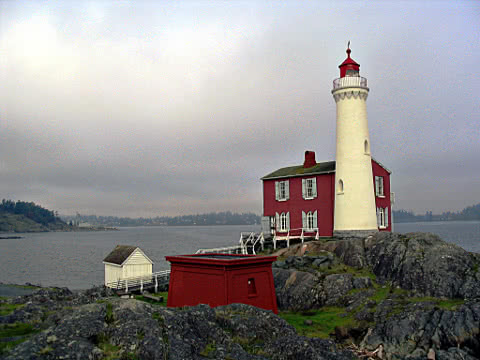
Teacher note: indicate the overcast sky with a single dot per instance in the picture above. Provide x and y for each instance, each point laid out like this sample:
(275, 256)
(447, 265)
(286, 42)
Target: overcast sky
(165, 108)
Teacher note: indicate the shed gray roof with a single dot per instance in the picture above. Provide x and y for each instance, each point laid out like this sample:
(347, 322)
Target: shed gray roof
(120, 254)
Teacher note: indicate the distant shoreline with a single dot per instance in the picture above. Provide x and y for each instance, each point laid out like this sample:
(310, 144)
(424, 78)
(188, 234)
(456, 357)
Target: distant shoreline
(60, 230)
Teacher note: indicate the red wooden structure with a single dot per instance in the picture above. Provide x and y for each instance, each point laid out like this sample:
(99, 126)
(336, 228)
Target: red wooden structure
(221, 279)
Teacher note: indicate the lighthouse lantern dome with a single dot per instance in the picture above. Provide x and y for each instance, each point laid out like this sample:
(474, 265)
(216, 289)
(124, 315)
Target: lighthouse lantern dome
(349, 67)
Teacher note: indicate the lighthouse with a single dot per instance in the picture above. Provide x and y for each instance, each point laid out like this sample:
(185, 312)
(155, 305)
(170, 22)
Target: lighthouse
(355, 209)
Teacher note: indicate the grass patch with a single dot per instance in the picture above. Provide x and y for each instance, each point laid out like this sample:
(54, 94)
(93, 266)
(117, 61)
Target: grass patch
(250, 345)
(209, 349)
(163, 294)
(20, 331)
(109, 319)
(17, 329)
(450, 304)
(6, 309)
(324, 321)
(45, 350)
(345, 269)
(110, 351)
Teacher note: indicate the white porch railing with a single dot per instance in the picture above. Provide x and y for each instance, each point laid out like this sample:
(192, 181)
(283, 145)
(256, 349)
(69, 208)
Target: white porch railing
(251, 239)
(237, 249)
(299, 233)
(140, 282)
(246, 245)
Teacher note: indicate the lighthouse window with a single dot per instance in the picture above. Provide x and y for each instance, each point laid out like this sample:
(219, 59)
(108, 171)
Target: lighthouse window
(281, 190)
(340, 186)
(366, 148)
(379, 189)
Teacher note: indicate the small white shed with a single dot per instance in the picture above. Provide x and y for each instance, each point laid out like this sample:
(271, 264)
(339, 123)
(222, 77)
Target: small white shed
(126, 262)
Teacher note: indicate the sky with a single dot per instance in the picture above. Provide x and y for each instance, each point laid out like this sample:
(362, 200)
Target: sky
(143, 109)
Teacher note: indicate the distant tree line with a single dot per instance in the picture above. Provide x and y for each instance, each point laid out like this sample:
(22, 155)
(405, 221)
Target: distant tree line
(469, 213)
(213, 218)
(30, 210)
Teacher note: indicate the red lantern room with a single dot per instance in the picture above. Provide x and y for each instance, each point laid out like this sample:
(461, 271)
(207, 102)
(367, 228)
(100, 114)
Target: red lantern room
(349, 67)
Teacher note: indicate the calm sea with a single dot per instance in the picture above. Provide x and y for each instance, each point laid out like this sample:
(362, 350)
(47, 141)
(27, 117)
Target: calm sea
(74, 259)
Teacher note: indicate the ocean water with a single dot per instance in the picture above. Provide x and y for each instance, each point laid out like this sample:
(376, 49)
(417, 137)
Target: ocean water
(74, 259)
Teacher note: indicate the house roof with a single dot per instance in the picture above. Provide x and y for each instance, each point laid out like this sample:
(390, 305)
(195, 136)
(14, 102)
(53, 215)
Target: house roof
(320, 168)
(120, 254)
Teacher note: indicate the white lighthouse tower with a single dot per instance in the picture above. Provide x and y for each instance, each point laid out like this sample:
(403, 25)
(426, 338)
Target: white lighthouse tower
(355, 212)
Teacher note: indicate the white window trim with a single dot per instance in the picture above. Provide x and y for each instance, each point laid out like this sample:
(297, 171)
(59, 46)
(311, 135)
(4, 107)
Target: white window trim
(305, 222)
(278, 184)
(382, 217)
(305, 188)
(283, 219)
(378, 180)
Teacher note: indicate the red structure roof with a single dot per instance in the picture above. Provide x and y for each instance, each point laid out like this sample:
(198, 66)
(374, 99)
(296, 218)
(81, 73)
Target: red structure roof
(222, 279)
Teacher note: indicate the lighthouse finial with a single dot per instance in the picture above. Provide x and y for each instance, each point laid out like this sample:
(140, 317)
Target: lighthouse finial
(348, 49)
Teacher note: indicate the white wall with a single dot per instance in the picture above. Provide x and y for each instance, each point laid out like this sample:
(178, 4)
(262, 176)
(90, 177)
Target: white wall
(112, 273)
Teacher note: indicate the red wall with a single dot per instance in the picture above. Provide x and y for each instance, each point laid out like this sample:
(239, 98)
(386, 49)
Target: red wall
(383, 201)
(323, 203)
(198, 279)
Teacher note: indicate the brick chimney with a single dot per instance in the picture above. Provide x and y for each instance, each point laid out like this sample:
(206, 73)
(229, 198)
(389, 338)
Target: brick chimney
(309, 159)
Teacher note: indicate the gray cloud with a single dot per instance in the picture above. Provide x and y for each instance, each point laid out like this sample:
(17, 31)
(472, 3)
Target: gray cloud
(144, 109)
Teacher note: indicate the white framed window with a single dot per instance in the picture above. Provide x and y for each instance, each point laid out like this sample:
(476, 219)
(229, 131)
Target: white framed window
(309, 220)
(379, 189)
(382, 217)
(282, 191)
(283, 221)
(309, 188)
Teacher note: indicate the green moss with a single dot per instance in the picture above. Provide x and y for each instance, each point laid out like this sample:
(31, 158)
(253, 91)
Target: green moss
(250, 345)
(324, 321)
(345, 269)
(20, 330)
(153, 302)
(6, 309)
(475, 267)
(452, 304)
(208, 350)
(16, 329)
(45, 350)
(110, 351)
(109, 318)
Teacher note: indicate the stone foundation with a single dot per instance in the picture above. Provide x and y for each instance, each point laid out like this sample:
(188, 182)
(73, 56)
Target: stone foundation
(344, 234)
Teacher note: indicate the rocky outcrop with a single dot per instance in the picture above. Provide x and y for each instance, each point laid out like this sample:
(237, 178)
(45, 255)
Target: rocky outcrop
(89, 325)
(421, 327)
(300, 290)
(405, 310)
(425, 264)
(420, 262)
